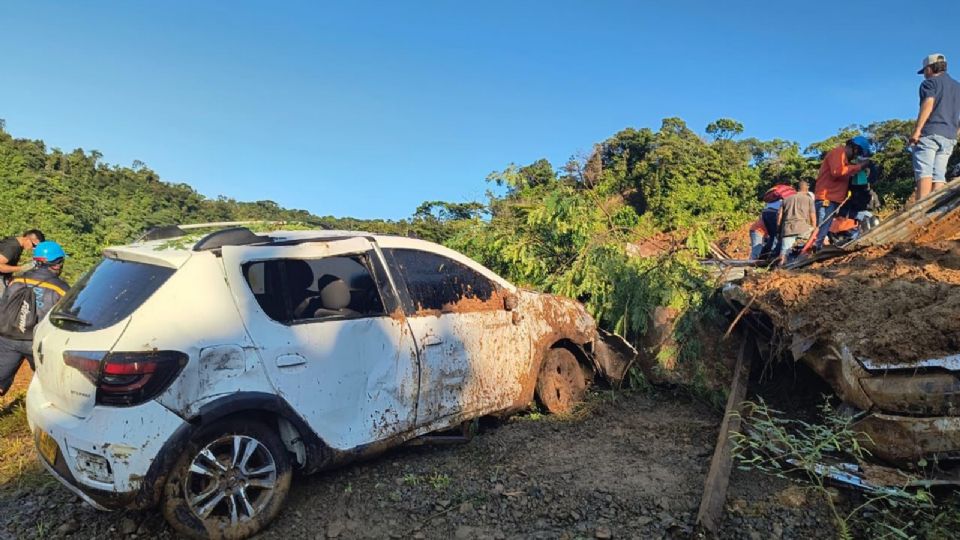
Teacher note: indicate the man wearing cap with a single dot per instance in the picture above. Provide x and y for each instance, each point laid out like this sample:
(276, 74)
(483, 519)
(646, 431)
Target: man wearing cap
(935, 134)
(833, 182)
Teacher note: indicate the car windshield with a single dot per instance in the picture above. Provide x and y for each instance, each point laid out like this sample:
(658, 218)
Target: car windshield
(107, 294)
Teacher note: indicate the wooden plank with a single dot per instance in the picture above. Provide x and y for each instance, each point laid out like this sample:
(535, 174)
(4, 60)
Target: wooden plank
(718, 478)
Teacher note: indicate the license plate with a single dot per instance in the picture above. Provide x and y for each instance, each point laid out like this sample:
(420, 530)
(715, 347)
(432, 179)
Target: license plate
(47, 446)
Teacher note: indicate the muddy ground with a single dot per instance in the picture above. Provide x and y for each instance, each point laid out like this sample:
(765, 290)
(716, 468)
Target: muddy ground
(624, 466)
(897, 303)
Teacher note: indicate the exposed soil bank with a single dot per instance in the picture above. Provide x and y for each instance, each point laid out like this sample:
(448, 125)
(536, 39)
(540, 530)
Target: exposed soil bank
(896, 303)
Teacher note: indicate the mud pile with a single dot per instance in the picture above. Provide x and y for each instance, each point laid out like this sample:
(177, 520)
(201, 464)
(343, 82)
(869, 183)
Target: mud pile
(895, 304)
(736, 243)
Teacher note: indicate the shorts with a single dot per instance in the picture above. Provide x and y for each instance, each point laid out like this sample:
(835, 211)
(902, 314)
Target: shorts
(930, 157)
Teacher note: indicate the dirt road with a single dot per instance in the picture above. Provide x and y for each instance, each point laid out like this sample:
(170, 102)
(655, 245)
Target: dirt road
(626, 466)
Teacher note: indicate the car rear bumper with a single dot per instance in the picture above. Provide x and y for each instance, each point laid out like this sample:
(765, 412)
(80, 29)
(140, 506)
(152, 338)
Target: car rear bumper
(129, 440)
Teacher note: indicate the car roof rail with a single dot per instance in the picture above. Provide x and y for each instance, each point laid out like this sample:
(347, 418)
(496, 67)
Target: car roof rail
(166, 232)
(234, 236)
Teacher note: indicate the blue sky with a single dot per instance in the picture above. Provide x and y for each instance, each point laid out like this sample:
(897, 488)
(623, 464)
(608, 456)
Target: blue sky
(369, 108)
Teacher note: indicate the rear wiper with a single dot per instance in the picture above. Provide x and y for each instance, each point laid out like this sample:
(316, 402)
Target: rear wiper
(64, 316)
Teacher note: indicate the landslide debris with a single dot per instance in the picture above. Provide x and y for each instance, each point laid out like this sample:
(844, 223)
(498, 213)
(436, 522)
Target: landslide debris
(898, 303)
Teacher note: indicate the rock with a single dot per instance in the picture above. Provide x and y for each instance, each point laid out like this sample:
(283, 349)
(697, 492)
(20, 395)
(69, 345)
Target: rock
(793, 497)
(466, 507)
(777, 530)
(128, 526)
(335, 529)
(739, 506)
(463, 533)
(69, 527)
(754, 535)
(603, 532)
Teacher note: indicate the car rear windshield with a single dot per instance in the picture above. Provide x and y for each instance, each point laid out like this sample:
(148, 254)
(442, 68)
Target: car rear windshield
(107, 294)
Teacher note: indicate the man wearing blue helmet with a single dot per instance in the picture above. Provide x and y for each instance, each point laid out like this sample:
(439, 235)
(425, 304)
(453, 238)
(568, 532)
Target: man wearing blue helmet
(28, 298)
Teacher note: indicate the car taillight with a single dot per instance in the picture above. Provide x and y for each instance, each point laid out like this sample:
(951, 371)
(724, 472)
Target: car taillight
(86, 362)
(127, 378)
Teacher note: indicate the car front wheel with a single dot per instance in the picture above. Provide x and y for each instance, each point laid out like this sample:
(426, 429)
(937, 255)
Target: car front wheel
(562, 382)
(230, 481)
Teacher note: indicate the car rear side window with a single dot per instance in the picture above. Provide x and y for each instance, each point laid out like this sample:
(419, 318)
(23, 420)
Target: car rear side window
(294, 290)
(438, 283)
(107, 294)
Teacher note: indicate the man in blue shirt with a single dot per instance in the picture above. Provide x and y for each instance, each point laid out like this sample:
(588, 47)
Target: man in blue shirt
(935, 134)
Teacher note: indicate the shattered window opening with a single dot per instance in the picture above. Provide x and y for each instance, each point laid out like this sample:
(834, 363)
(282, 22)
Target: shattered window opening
(436, 283)
(299, 290)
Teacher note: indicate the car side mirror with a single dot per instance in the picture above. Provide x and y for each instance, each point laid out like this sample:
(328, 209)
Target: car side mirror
(510, 301)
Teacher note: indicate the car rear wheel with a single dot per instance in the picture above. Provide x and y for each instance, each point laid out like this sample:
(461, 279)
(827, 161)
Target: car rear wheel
(562, 382)
(230, 481)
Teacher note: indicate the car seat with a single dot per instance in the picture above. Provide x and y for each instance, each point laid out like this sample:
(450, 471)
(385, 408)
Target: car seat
(334, 299)
(299, 277)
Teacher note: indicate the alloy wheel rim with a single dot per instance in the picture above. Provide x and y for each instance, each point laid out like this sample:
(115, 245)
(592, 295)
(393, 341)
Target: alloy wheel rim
(233, 478)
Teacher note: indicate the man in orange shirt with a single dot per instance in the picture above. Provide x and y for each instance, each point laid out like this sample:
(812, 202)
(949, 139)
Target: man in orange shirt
(833, 182)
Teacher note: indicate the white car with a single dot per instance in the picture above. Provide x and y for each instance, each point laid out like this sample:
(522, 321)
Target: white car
(198, 376)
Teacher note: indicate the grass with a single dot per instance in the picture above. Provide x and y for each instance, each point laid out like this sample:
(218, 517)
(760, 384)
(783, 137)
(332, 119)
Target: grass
(439, 481)
(18, 459)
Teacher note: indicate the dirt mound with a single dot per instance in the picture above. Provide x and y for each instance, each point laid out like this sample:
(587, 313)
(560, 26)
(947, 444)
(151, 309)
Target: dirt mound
(655, 245)
(899, 303)
(736, 243)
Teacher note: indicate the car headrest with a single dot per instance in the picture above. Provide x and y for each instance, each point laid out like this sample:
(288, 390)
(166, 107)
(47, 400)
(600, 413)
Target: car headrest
(299, 274)
(335, 295)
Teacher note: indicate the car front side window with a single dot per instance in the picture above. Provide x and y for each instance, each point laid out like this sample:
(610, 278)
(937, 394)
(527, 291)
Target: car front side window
(439, 284)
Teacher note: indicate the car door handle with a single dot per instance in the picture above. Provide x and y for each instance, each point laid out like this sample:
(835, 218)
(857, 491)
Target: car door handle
(432, 340)
(290, 360)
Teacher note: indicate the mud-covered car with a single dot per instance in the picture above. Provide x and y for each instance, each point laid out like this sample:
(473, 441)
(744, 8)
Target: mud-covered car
(199, 376)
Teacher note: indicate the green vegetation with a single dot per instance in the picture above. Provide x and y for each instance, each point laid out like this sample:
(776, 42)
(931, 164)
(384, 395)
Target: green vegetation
(18, 465)
(788, 448)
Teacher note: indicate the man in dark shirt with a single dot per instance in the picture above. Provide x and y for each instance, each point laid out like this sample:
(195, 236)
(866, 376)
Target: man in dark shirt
(10, 250)
(935, 134)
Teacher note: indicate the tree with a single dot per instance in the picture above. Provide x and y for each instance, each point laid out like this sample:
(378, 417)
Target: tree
(724, 129)
(515, 178)
(443, 211)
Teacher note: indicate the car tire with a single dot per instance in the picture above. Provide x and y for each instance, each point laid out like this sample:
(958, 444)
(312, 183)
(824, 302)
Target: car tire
(562, 382)
(230, 481)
